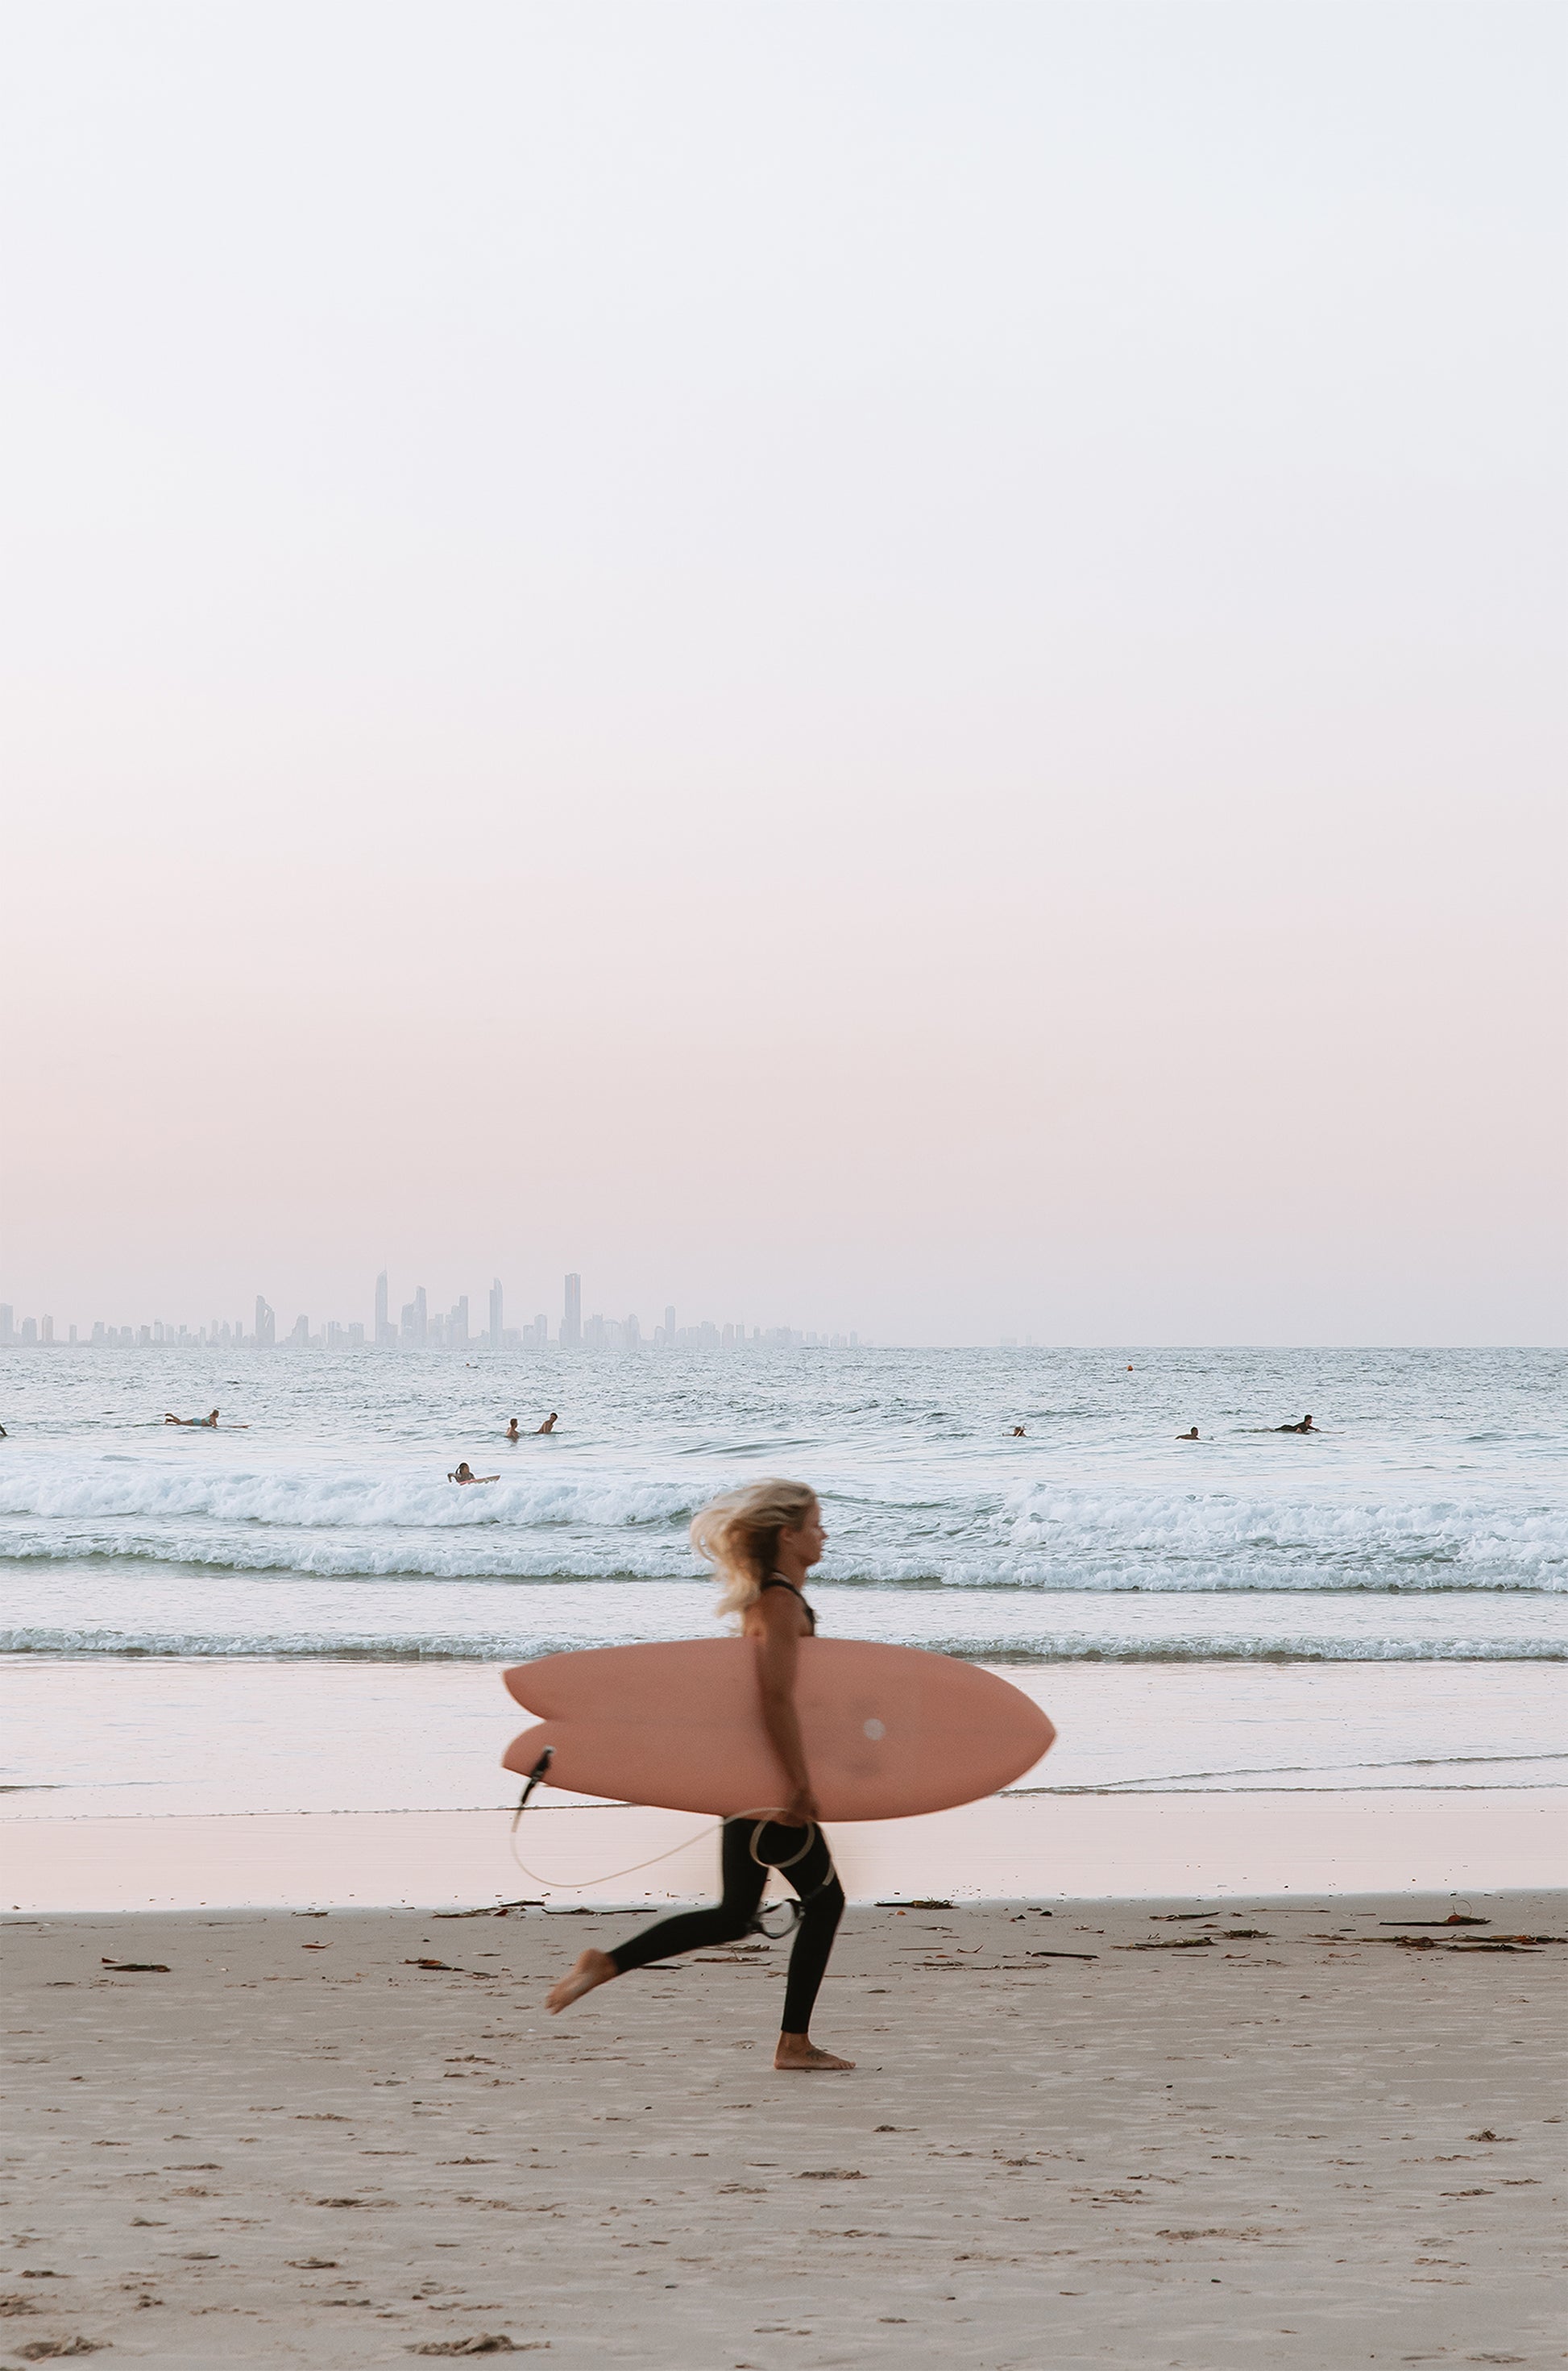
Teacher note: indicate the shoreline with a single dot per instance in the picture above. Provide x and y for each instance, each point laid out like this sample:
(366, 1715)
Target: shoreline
(114, 1738)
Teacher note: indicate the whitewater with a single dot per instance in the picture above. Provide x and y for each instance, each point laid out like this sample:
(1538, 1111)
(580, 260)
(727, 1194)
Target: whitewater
(1425, 1519)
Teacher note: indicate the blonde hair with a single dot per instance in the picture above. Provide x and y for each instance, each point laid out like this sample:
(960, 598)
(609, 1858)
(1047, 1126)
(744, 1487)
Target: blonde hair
(739, 1532)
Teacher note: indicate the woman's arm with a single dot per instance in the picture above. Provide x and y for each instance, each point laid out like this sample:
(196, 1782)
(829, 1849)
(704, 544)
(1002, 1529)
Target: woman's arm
(777, 1653)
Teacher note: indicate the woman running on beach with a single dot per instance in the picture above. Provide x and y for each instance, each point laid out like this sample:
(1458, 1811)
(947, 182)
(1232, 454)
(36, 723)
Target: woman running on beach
(764, 1539)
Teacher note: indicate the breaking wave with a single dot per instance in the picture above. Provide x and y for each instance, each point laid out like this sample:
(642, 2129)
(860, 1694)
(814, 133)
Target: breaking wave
(319, 1498)
(341, 1522)
(1307, 1645)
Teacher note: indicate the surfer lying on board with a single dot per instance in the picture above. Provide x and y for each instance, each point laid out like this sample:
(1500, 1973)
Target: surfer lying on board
(466, 1474)
(1305, 1426)
(764, 1539)
(202, 1423)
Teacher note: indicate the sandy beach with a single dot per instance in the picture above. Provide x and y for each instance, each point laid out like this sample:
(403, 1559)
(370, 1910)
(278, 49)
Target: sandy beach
(1286, 2132)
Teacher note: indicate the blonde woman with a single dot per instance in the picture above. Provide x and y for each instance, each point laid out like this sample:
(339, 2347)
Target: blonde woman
(764, 1541)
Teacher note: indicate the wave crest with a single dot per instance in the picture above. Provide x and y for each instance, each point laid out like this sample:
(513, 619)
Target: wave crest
(1307, 1645)
(337, 1522)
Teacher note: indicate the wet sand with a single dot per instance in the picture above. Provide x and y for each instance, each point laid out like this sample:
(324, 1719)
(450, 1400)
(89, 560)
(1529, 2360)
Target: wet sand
(1303, 2144)
(1016, 1845)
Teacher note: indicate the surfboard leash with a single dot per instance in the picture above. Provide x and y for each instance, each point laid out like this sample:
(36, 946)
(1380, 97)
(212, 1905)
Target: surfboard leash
(796, 1908)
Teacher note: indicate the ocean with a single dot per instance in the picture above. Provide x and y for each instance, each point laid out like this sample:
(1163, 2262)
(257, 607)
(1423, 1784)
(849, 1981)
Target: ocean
(303, 1614)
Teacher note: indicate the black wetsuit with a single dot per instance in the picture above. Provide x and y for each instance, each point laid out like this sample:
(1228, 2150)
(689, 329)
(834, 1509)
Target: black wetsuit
(744, 1875)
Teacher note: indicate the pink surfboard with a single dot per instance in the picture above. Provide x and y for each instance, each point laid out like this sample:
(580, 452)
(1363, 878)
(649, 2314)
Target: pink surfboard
(888, 1730)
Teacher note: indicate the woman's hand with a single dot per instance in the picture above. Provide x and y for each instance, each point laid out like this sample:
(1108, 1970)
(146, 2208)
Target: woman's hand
(800, 1811)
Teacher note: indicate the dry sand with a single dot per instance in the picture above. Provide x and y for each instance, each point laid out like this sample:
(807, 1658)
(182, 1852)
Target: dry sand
(1304, 2145)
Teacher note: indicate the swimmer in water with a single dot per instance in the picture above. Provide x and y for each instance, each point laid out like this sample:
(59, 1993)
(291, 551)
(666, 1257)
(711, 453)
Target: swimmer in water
(1188, 1436)
(1305, 1426)
(549, 1423)
(201, 1423)
(511, 1431)
(466, 1474)
(1018, 1432)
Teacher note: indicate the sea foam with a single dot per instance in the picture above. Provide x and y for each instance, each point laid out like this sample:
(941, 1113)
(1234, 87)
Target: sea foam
(329, 1520)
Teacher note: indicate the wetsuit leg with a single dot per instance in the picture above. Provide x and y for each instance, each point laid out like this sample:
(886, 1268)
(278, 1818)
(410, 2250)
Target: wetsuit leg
(726, 1921)
(816, 1881)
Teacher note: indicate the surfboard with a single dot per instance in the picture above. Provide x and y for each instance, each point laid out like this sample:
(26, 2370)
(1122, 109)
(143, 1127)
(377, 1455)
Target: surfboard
(888, 1730)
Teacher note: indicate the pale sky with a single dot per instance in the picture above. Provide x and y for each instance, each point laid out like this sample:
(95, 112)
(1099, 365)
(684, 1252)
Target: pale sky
(881, 666)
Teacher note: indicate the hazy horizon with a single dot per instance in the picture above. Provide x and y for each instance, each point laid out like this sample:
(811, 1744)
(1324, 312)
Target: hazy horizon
(867, 666)
(523, 1311)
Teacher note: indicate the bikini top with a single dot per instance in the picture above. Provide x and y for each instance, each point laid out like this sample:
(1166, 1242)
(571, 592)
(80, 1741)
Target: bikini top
(779, 1581)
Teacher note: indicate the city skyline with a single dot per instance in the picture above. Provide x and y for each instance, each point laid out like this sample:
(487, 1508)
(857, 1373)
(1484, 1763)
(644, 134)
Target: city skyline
(419, 1326)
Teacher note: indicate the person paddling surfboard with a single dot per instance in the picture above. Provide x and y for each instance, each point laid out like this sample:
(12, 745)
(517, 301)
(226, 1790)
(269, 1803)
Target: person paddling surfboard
(764, 1541)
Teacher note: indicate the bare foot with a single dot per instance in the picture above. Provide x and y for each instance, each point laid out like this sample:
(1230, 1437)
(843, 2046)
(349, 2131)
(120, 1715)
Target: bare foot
(798, 2054)
(593, 1968)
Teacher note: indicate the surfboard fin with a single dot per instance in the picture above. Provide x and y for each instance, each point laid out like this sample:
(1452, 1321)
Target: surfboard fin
(535, 1776)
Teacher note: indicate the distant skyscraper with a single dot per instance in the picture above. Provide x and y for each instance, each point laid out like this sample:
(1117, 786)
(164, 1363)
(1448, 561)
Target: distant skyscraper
(496, 1328)
(384, 1333)
(457, 1324)
(266, 1324)
(7, 1321)
(416, 1321)
(572, 1321)
(670, 1327)
(541, 1331)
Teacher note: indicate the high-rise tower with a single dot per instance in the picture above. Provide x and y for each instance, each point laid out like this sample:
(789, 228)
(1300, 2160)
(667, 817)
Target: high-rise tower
(572, 1321)
(384, 1329)
(495, 1323)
